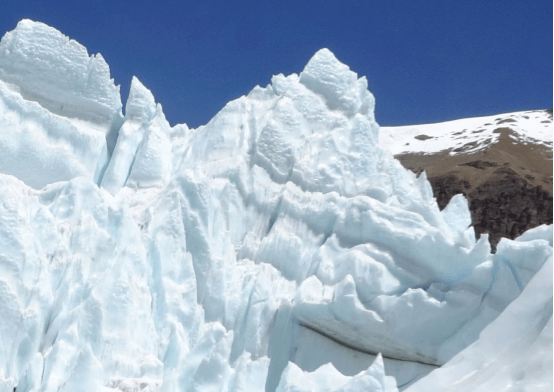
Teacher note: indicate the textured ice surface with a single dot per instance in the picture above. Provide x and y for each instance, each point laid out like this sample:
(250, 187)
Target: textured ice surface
(47, 67)
(278, 247)
(514, 352)
(327, 378)
(142, 155)
(58, 106)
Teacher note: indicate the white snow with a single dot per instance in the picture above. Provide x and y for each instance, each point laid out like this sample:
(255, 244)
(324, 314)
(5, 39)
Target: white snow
(278, 247)
(468, 135)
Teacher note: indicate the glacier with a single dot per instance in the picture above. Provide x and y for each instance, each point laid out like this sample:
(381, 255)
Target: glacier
(279, 247)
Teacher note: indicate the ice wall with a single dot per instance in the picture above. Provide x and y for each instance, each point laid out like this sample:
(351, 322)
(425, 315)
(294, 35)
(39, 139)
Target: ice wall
(60, 110)
(208, 259)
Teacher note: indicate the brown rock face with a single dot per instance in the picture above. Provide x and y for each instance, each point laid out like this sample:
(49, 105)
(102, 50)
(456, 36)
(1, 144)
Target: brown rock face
(508, 185)
(505, 205)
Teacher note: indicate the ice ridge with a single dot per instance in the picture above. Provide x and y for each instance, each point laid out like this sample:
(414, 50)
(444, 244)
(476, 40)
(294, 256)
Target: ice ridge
(279, 247)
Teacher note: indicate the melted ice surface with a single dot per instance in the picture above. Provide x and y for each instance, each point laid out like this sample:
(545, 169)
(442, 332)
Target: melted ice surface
(278, 247)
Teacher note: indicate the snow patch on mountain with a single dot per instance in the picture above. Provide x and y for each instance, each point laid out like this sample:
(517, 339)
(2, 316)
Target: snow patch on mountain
(468, 135)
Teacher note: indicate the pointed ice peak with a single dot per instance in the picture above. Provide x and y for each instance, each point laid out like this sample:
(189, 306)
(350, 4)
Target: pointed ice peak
(327, 378)
(324, 56)
(142, 154)
(378, 363)
(377, 372)
(339, 86)
(47, 67)
(377, 369)
(141, 103)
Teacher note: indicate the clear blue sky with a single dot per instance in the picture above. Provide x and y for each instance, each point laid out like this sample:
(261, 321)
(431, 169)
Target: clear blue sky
(426, 61)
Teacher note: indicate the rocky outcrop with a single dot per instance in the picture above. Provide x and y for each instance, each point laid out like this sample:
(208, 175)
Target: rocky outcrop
(505, 205)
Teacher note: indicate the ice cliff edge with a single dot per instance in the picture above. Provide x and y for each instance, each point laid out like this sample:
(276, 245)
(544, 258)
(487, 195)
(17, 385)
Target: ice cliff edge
(60, 108)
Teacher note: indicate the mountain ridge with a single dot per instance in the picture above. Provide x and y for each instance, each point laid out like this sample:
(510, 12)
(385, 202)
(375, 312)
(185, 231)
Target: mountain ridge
(501, 163)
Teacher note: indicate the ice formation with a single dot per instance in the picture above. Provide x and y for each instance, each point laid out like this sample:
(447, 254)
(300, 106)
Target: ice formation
(279, 247)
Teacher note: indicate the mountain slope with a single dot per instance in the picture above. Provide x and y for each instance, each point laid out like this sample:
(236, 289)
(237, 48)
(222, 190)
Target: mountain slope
(502, 164)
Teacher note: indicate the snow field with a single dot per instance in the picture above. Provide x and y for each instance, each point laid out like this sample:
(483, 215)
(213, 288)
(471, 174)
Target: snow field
(468, 135)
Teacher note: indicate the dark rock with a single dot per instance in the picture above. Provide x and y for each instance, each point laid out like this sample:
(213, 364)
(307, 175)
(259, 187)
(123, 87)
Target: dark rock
(505, 205)
(508, 120)
(422, 137)
(480, 164)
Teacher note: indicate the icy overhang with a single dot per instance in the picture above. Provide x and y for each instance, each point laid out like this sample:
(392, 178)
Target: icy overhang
(47, 67)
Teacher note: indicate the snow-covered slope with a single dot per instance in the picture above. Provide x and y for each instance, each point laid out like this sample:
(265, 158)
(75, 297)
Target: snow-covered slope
(279, 247)
(469, 135)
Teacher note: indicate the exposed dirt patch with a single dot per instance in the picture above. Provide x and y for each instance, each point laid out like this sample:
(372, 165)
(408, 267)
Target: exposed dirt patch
(479, 164)
(503, 130)
(507, 120)
(422, 137)
(467, 146)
